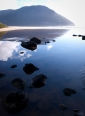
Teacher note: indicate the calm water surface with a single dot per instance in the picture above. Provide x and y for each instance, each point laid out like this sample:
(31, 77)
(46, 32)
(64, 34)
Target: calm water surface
(61, 61)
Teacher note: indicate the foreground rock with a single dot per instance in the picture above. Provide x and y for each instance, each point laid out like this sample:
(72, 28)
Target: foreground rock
(19, 83)
(68, 91)
(29, 45)
(83, 37)
(13, 66)
(38, 81)
(30, 68)
(36, 40)
(1, 75)
(15, 102)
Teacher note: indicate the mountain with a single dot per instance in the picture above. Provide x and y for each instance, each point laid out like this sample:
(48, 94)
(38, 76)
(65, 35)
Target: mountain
(33, 16)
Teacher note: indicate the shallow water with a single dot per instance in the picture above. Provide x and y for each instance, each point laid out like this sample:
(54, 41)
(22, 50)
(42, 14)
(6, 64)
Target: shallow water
(61, 61)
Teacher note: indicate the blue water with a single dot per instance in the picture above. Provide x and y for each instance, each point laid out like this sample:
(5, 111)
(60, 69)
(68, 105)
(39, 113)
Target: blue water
(61, 61)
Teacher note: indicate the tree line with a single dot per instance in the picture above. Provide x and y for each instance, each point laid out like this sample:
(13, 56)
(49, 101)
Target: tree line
(2, 25)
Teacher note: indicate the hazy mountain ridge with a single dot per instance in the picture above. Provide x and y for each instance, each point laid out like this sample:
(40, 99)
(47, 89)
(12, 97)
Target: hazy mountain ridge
(33, 16)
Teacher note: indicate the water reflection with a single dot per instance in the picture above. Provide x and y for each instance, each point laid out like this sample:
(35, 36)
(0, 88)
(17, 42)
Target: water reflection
(12, 50)
(1, 75)
(2, 33)
(49, 47)
(82, 73)
(30, 33)
(7, 49)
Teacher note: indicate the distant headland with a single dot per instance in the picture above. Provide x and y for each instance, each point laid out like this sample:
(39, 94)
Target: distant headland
(33, 16)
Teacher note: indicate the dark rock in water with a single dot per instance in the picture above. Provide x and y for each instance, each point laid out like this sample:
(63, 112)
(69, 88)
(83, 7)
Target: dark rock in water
(75, 110)
(21, 52)
(30, 68)
(19, 83)
(29, 45)
(79, 35)
(13, 66)
(39, 81)
(63, 107)
(48, 42)
(74, 35)
(36, 40)
(53, 40)
(1, 75)
(15, 102)
(68, 91)
(83, 37)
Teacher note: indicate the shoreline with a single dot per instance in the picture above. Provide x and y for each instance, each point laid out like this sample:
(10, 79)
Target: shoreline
(11, 28)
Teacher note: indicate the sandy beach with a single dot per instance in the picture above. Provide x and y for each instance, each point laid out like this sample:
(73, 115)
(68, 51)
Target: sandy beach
(10, 28)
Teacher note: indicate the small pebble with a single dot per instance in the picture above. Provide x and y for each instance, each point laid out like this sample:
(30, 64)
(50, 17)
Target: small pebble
(1, 75)
(48, 42)
(63, 107)
(75, 110)
(53, 40)
(13, 66)
(84, 88)
(21, 52)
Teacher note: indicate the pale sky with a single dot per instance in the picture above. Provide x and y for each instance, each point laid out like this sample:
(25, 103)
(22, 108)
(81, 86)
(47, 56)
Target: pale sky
(71, 9)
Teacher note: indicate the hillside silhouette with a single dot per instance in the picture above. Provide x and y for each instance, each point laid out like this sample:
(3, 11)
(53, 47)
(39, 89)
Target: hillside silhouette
(33, 16)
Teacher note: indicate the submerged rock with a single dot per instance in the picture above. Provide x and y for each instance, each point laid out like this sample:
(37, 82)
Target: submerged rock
(19, 83)
(84, 88)
(53, 40)
(1, 75)
(75, 110)
(30, 68)
(36, 40)
(13, 66)
(38, 81)
(63, 107)
(68, 91)
(15, 102)
(29, 45)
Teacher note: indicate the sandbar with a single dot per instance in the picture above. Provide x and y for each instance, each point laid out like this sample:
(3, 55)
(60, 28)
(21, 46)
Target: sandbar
(10, 28)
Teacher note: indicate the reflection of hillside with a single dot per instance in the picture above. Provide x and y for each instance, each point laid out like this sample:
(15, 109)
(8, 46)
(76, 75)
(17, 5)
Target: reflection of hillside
(39, 33)
(2, 33)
